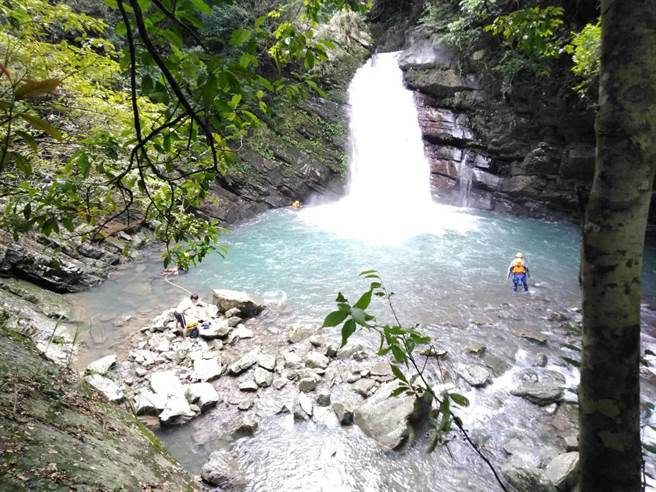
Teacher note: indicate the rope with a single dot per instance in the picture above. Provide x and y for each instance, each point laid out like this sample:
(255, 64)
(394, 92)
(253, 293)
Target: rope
(166, 279)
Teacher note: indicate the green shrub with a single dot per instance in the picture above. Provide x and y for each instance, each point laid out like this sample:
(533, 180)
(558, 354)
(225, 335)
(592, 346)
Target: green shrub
(585, 50)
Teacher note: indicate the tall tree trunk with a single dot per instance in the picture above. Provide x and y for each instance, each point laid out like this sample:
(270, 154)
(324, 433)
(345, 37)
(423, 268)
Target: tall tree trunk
(613, 241)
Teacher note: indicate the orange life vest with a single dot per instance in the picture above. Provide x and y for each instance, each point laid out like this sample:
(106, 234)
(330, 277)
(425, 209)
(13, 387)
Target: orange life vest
(518, 266)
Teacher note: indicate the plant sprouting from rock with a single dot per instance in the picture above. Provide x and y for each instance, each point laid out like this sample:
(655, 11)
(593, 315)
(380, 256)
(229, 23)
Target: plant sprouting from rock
(401, 343)
(585, 50)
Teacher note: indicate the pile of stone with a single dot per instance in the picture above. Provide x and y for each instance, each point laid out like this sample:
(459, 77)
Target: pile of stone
(167, 375)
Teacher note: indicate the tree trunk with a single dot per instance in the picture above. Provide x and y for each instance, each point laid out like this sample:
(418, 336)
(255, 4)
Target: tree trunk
(613, 241)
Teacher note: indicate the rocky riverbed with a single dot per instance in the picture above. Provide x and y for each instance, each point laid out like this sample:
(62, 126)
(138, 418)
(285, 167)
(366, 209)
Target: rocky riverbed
(242, 374)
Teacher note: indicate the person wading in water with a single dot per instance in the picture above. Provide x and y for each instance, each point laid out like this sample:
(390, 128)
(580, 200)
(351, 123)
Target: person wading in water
(519, 272)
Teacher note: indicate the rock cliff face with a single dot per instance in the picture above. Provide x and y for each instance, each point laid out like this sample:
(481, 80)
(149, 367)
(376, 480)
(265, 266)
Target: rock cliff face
(530, 150)
(527, 153)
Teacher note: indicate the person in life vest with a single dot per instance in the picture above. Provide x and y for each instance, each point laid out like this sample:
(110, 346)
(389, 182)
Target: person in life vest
(518, 271)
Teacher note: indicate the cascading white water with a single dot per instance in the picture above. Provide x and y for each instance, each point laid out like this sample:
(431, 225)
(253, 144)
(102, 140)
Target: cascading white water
(388, 198)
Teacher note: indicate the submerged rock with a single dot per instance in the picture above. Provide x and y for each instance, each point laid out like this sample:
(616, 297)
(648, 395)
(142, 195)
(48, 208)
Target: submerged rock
(106, 386)
(476, 376)
(323, 398)
(525, 477)
(388, 419)
(563, 470)
(230, 299)
(102, 365)
(222, 470)
(540, 386)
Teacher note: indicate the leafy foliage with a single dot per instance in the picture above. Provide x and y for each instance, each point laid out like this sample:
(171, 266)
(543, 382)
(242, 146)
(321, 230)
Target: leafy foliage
(585, 48)
(80, 147)
(531, 37)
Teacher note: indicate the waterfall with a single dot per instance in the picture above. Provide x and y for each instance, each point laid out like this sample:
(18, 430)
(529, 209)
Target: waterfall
(465, 177)
(388, 198)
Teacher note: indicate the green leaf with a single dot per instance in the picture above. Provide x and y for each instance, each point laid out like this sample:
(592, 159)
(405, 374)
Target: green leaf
(434, 443)
(398, 353)
(397, 391)
(84, 164)
(649, 448)
(33, 88)
(23, 164)
(459, 399)
(364, 301)
(28, 139)
(335, 318)
(340, 298)
(398, 373)
(239, 37)
(201, 6)
(42, 125)
(347, 330)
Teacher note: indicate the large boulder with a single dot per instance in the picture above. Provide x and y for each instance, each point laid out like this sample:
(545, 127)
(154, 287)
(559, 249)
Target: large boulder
(244, 362)
(229, 299)
(222, 470)
(147, 402)
(389, 420)
(106, 386)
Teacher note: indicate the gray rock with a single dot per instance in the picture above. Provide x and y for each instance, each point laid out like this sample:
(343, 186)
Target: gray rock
(476, 376)
(245, 362)
(526, 477)
(331, 350)
(571, 442)
(540, 386)
(323, 398)
(248, 386)
(230, 313)
(388, 419)
(532, 336)
(102, 365)
(433, 352)
(293, 360)
(176, 410)
(364, 387)
(303, 407)
(353, 377)
(207, 369)
(381, 369)
(526, 452)
(241, 333)
(222, 470)
(108, 388)
(263, 377)
(148, 403)
(315, 359)
(229, 299)
(563, 470)
(216, 328)
(317, 340)
(307, 384)
(298, 332)
(280, 383)
(233, 321)
(267, 361)
(202, 394)
(246, 425)
(476, 348)
(344, 413)
(348, 351)
(159, 343)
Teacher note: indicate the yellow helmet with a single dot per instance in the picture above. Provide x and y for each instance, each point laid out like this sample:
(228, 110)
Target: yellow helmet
(519, 255)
